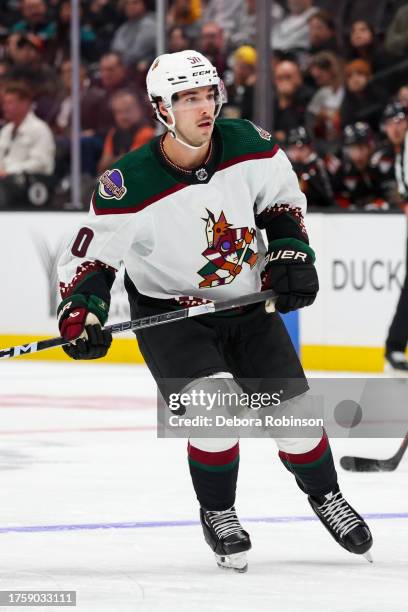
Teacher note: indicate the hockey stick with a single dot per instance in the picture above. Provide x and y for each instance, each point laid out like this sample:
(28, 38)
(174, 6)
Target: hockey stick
(143, 322)
(365, 464)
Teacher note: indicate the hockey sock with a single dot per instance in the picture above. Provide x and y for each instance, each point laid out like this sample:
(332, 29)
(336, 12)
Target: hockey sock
(214, 476)
(314, 470)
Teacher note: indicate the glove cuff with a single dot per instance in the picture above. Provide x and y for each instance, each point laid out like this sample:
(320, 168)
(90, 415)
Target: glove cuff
(289, 250)
(92, 303)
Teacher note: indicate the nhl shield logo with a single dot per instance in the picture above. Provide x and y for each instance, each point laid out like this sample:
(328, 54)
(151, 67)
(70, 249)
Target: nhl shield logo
(202, 174)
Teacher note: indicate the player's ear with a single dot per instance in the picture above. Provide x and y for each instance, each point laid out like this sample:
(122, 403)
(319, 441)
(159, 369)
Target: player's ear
(163, 110)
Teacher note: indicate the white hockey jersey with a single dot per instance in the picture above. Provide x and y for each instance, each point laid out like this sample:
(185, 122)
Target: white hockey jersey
(191, 233)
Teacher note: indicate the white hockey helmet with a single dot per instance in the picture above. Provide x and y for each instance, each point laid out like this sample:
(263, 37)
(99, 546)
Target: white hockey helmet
(174, 72)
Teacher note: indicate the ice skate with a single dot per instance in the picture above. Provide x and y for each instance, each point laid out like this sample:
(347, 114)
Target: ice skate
(396, 363)
(346, 526)
(226, 537)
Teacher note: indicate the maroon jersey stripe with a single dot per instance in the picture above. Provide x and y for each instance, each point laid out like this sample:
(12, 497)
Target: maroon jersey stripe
(247, 157)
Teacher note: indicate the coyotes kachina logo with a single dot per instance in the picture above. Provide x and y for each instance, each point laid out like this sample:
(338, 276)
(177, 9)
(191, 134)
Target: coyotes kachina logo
(227, 251)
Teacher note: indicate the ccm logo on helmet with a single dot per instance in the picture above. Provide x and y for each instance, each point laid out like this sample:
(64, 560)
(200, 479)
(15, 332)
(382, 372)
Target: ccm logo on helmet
(201, 72)
(275, 255)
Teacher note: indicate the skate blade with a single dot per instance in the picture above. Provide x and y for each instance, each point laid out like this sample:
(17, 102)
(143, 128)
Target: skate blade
(237, 562)
(393, 372)
(368, 556)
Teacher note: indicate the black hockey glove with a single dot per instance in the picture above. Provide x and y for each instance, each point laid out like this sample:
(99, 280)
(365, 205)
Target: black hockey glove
(80, 320)
(290, 272)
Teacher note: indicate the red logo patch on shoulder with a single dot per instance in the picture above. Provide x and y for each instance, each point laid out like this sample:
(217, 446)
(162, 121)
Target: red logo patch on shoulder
(263, 133)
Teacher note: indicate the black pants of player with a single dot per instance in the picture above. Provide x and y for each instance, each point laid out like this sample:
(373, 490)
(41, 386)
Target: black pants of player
(249, 345)
(397, 339)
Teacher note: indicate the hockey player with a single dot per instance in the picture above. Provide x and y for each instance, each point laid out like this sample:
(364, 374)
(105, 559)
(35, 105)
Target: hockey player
(183, 215)
(395, 124)
(352, 182)
(313, 177)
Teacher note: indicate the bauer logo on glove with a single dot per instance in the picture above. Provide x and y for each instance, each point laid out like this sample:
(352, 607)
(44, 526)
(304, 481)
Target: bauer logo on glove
(290, 272)
(285, 254)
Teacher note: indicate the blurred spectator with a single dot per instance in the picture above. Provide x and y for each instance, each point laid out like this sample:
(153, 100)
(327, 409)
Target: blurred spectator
(323, 110)
(244, 31)
(322, 33)
(113, 72)
(28, 50)
(225, 14)
(185, 14)
(240, 93)
(395, 125)
(31, 68)
(4, 69)
(35, 21)
(291, 98)
(27, 152)
(362, 100)
(378, 14)
(353, 183)
(10, 46)
(364, 44)
(9, 14)
(91, 100)
(402, 96)
(113, 77)
(130, 132)
(310, 169)
(292, 32)
(94, 115)
(396, 40)
(103, 17)
(136, 38)
(178, 39)
(60, 46)
(212, 44)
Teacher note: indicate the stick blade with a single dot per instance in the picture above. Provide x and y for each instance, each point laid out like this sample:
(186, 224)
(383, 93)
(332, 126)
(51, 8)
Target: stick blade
(364, 464)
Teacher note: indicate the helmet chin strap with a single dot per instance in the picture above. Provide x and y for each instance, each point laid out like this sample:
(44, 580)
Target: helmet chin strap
(189, 146)
(173, 132)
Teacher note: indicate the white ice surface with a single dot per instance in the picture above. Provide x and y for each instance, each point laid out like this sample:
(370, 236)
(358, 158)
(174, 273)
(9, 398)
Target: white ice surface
(78, 447)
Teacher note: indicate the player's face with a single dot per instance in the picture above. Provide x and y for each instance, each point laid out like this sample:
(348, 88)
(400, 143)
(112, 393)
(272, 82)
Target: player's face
(299, 154)
(359, 154)
(395, 129)
(194, 112)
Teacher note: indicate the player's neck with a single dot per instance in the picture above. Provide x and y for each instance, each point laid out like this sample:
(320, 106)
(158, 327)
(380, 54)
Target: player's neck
(183, 156)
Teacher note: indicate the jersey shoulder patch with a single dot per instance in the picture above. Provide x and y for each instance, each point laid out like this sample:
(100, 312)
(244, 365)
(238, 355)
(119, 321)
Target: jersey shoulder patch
(135, 181)
(243, 139)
